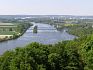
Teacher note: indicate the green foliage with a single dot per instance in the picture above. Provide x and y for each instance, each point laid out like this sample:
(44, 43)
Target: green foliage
(67, 55)
(81, 30)
(36, 56)
(21, 27)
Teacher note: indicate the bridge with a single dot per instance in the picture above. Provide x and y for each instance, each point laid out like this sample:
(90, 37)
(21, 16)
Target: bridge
(43, 28)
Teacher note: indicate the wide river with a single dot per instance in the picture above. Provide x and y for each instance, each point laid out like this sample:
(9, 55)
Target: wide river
(47, 34)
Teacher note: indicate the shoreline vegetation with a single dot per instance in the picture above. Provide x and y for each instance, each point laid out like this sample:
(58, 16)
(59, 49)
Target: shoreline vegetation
(66, 55)
(74, 54)
(19, 31)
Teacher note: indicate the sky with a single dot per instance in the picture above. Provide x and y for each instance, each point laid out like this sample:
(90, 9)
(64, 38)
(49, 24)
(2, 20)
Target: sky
(46, 7)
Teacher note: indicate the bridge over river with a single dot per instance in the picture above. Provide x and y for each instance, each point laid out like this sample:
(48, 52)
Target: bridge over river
(43, 28)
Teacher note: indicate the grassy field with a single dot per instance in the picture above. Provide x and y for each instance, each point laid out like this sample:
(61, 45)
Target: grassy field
(70, 24)
(7, 33)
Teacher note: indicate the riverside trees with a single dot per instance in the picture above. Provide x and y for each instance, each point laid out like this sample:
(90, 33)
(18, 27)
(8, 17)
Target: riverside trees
(37, 56)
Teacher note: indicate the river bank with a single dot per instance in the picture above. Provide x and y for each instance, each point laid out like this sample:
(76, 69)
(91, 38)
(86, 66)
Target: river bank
(47, 34)
(5, 36)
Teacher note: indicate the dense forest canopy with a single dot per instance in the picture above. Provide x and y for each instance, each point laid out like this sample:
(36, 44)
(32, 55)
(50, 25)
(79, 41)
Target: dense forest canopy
(66, 55)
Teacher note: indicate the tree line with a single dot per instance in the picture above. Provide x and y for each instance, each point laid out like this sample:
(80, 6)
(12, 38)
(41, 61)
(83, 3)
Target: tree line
(66, 55)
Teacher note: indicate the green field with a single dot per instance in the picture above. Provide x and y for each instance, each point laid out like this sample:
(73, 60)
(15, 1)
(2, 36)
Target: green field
(7, 33)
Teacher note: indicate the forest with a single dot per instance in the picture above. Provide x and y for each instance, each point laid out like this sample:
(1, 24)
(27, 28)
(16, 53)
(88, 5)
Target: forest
(67, 55)
(74, 54)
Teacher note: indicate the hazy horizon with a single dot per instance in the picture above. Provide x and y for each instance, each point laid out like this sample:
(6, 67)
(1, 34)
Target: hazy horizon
(46, 7)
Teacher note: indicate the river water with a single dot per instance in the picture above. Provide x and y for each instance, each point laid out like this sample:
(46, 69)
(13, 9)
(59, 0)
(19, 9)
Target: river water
(47, 34)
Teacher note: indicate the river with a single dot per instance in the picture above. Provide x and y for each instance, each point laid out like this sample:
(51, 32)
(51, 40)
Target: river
(47, 34)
